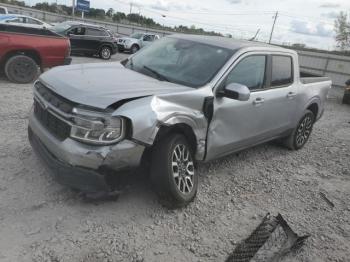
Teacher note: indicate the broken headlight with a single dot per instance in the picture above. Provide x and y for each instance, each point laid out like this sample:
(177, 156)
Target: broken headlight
(95, 128)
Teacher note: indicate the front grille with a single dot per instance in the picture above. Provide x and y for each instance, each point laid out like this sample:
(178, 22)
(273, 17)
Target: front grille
(55, 100)
(56, 126)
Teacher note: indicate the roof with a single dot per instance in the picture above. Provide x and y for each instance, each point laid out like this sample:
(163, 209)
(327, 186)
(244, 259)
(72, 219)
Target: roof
(226, 42)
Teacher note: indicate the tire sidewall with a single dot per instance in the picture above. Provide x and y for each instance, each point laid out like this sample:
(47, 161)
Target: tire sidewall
(173, 187)
(162, 174)
(9, 67)
(307, 113)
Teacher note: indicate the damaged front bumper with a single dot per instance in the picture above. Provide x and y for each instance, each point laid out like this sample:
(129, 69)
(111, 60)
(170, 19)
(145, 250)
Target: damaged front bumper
(80, 166)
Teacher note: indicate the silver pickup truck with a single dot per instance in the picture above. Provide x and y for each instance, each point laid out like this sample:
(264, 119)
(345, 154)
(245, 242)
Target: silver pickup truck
(181, 101)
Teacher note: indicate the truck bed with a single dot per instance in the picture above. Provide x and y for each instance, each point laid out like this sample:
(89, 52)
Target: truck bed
(308, 78)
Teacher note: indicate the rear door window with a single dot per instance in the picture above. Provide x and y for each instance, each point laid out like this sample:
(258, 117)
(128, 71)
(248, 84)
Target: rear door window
(282, 71)
(95, 32)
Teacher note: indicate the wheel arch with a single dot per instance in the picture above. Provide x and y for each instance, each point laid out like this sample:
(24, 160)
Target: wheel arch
(314, 108)
(179, 128)
(107, 45)
(35, 55)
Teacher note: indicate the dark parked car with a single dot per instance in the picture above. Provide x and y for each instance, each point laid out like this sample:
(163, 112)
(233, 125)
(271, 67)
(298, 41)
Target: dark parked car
(88, 39)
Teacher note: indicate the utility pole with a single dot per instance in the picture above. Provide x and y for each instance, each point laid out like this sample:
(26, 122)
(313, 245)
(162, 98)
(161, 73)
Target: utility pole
(73, 7)
(130, 7)
(273, 26)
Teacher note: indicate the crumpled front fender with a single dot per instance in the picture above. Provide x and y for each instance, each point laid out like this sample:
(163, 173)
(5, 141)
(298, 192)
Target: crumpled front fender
(150, 113)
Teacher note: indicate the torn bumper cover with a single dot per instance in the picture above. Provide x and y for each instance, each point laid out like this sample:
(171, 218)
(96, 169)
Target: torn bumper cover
(83, 167)
(270, 241)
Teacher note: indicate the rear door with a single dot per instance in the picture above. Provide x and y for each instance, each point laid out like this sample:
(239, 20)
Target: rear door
(268, 112)
(93, 38)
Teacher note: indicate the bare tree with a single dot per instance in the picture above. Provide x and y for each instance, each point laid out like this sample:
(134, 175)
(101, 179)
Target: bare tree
(342, 29)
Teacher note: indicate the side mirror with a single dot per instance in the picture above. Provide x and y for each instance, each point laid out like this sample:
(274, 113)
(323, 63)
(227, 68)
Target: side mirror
(235, 91)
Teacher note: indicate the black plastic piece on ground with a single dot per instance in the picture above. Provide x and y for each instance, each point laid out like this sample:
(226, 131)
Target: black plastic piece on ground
(270, 241)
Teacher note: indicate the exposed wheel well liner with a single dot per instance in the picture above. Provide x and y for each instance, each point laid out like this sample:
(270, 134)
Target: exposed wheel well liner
(184, 129)
(314, 109)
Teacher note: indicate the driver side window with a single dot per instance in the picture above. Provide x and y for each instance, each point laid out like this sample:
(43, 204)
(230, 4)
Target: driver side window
(250, 71)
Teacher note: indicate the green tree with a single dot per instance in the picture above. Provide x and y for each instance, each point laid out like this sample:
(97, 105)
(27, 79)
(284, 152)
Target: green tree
(342, 29)
(110, 12)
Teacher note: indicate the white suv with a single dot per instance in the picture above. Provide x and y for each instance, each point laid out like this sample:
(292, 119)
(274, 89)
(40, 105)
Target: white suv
(135, 42)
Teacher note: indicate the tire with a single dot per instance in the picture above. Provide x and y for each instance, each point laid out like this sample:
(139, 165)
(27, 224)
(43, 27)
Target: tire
(21, 69)
(105, 53)
(134, 49)
(301, 133)
(173, 171)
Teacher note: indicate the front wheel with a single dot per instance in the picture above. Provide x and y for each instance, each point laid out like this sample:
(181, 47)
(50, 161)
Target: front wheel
(105, 53)
(173, 171)
(134, 49)
(301, 133)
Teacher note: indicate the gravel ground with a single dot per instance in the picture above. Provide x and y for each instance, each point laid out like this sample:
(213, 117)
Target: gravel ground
(43, 221)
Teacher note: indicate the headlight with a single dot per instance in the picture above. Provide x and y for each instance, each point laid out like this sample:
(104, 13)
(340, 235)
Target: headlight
(97, 128)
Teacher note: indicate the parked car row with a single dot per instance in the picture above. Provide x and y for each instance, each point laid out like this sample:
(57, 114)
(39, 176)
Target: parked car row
(30, 44)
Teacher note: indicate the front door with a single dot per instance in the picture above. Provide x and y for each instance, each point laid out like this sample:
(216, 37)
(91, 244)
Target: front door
(76, 37)
(267, 113)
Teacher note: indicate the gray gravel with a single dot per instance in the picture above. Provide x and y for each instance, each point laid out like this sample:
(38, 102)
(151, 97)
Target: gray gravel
(43, 221)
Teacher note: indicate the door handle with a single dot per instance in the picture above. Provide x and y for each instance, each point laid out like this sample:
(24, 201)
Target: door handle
(258, 101)
(291, 95)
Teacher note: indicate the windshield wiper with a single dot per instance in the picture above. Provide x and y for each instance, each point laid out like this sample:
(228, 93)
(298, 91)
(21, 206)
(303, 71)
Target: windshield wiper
(159, 75)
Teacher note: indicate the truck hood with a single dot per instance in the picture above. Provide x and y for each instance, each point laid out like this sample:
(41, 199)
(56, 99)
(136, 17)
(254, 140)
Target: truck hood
(103, 84)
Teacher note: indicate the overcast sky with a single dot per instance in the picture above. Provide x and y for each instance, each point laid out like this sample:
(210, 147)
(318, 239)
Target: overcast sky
(299, 21)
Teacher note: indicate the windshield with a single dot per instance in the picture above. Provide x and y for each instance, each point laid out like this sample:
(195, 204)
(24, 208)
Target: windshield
(180, 61)
(60, 28)
(136, 35)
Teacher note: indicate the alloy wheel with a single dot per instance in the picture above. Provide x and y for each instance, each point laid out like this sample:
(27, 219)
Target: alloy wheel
(183, 169)
(304, 130)
(106, 53)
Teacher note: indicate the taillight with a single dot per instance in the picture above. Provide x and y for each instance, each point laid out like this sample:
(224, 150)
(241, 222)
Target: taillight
(68, 49)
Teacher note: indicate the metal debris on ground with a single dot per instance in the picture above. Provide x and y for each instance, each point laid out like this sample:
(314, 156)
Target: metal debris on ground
(325, 198)
(270, 241)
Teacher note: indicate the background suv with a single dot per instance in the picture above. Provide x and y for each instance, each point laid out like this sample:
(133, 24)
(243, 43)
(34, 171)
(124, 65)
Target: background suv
(134, 42)
(88, 39)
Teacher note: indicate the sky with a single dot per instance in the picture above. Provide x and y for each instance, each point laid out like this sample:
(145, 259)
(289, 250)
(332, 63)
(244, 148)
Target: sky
(309, 22)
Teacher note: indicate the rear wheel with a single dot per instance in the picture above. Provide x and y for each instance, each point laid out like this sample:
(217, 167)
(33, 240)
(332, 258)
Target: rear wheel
(302, 132)
(21, 69)
(105, 52)
(173, 171)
